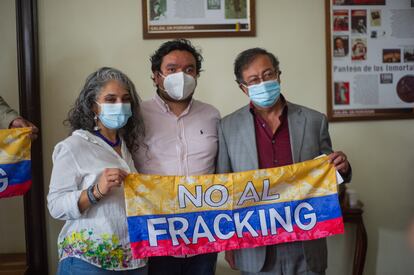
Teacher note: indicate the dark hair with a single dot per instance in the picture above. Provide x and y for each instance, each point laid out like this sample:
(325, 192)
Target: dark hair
(173, 45)
(81, 116)
(245, 58)
(338, 38)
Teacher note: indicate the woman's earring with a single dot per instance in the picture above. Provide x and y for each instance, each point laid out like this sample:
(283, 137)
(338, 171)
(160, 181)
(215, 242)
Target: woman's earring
(96, 127)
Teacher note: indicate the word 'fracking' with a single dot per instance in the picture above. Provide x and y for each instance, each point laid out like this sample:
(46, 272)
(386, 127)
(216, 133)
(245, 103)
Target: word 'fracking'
(225, 226)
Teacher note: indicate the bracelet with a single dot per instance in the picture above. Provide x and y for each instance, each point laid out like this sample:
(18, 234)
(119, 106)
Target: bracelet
(91, 196)
(99, 191)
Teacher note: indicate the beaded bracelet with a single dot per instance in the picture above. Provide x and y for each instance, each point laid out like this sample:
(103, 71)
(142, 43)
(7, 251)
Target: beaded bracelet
(99, 191)
(91, 196)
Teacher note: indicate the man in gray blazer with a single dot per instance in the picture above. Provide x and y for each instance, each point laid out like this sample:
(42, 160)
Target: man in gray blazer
(272, 132)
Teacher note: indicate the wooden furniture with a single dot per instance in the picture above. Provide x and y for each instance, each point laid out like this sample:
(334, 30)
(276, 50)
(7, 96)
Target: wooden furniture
(13, 264)
(34, 261)
(354, 215)
(29, 100)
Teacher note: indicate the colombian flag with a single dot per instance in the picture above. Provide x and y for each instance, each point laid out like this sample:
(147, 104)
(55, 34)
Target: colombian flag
(15, 163)
(179, 215)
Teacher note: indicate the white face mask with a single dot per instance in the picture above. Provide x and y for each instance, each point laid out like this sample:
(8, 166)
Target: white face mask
(179, 86)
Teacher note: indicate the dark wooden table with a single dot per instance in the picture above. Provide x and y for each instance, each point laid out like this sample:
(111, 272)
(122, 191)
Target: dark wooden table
(13, 264)
(354, 216)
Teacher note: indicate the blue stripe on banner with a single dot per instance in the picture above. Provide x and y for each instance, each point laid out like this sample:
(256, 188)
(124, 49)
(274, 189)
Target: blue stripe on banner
(325, 208)
(18, 172)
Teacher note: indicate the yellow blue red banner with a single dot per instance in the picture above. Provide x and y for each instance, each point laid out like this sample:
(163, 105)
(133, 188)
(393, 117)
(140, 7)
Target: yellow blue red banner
(179, 215)
(15, 163)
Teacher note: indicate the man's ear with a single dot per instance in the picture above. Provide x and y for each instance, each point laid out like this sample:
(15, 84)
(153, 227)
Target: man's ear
(156, 78)
(155, 75)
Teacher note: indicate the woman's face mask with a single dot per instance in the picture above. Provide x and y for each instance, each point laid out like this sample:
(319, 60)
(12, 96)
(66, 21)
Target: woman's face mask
(114, 115)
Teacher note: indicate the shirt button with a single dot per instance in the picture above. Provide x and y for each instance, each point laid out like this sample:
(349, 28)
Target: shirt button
(273, 141)
(264, 125)
(274, 161)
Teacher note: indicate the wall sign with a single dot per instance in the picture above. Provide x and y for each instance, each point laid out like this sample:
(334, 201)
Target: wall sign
(370, 56)
(198, 18)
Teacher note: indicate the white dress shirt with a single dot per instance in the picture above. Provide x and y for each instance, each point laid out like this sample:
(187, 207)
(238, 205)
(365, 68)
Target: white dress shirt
(99, 235)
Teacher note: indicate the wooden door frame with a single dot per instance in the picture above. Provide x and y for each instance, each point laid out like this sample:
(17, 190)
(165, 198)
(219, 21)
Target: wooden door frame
(29, 102)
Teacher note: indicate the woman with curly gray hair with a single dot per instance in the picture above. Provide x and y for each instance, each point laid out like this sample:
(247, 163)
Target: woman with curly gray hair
(88, 171)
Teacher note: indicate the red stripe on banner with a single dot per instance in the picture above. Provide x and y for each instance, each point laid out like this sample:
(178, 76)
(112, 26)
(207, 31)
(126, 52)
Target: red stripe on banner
(16, 189)
(165, 247)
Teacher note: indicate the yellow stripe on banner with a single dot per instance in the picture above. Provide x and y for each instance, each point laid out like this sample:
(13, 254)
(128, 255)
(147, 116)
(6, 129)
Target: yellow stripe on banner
(154, 194)
(14, 145)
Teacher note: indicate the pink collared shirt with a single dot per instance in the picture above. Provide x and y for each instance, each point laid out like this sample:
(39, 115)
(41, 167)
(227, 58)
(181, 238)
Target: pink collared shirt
(182, 145)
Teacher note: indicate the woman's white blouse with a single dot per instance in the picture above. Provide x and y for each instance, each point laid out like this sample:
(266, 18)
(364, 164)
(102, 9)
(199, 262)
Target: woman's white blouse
(100, 234)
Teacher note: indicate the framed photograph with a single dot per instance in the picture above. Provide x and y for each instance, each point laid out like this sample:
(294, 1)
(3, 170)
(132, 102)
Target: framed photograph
(370, 59)
(200, 18)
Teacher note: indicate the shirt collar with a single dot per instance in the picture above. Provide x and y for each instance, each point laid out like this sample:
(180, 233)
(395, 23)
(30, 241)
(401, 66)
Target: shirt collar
(160, 102)
(95, 139)
(166, 109)
(87, 136)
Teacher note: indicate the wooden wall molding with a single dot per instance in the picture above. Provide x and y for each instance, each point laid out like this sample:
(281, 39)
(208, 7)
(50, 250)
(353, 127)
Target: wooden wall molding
(29, 100)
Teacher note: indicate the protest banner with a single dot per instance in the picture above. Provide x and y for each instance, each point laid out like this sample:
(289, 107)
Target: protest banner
(179, 215)
(15, 162)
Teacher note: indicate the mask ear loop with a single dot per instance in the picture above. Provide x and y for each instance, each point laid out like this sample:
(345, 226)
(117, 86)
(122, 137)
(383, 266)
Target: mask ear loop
(159, 86)
(160, 74)
(241, 84)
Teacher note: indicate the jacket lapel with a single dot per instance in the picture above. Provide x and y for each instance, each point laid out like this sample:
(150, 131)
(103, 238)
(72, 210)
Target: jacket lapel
(248, 132)
(297, 122)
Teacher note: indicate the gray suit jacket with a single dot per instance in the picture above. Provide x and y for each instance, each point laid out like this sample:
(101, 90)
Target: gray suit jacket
(309, 138)
(7, 114)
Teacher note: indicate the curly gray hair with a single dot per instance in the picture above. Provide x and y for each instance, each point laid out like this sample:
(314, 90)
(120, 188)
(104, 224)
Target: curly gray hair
(81, 116)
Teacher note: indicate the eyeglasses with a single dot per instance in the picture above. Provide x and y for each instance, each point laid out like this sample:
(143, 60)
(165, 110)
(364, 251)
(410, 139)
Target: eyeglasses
(266, 76)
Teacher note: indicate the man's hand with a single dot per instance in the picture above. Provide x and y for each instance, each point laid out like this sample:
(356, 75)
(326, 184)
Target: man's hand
(229, 257)
(340, 161)
(21, 122)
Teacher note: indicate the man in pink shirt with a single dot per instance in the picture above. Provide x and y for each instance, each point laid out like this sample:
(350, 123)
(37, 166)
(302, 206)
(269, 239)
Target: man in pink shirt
(181, 136)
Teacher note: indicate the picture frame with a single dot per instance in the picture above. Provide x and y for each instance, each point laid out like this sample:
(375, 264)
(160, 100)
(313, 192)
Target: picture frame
(370, 68)
(203, 18)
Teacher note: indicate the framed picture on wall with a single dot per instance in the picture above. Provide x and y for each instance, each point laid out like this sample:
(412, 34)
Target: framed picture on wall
(370, 59)
(198, 18)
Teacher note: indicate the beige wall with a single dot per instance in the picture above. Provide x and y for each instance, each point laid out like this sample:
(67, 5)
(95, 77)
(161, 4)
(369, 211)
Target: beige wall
(77, 36)
(11, 209)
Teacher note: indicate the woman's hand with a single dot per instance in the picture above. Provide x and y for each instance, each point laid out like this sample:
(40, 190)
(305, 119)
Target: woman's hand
(111, 177)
